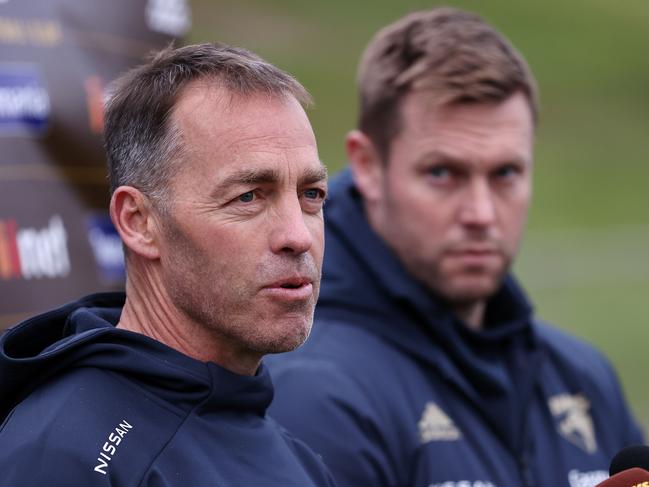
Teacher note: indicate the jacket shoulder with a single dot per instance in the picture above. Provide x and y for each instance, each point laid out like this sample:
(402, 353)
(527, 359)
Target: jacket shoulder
(342, 361)
(337, 396)
(575, 353)
(585, 367)
(310, 460)
(83, 427)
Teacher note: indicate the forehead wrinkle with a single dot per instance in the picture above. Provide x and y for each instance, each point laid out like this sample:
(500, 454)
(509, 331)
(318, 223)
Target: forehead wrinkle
(246, 135)
(461, 136)
(230, 129)
(477, 144)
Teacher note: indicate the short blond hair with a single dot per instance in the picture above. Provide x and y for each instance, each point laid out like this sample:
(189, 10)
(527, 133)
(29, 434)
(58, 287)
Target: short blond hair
(453, 54)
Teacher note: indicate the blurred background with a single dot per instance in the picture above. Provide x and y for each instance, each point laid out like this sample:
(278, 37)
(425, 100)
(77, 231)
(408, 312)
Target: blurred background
(585, 260)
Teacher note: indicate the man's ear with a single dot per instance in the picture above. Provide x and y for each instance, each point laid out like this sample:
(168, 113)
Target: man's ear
(366, 165)
(135, 222)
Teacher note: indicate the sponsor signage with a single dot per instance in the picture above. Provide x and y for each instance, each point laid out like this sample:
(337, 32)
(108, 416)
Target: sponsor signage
(24, 100)
(57, 60)
(34, 253)
(172, 17)
(107, 249)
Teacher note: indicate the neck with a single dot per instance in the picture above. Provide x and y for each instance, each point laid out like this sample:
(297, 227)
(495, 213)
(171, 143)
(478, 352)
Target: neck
(148, 310)
(472, 314)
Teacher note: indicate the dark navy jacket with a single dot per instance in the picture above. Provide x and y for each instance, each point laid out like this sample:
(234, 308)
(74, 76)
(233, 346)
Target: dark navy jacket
(393, 391)
(85, 404)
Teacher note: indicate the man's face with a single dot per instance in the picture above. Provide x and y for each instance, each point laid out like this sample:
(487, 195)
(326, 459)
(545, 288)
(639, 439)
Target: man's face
(243, 240)
(455, 193)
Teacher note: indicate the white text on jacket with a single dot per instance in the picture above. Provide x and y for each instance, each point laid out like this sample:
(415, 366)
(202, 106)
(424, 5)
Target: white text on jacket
(110, 447)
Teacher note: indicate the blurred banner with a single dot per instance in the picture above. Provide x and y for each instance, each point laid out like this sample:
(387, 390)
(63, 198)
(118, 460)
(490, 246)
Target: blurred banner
(57, 58)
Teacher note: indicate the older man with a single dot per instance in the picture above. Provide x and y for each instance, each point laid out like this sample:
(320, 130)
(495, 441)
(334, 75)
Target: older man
(217, 194)
(427, 367)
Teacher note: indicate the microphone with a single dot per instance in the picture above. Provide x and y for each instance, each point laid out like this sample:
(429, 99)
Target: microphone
(629, 468)
(629, 457)
(632, 477)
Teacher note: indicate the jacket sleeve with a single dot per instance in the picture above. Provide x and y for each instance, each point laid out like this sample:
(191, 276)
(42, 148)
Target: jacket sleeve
(606, 389)
(598, 378)
(28, 463)
(630, 431)
(322, 406)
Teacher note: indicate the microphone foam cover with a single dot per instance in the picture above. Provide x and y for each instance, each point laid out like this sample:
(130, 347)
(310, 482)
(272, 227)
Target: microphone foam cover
(633, 477)
(629, 457)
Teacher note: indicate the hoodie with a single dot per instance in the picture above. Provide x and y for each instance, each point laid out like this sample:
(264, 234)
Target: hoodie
(394, 391)
(85, 403)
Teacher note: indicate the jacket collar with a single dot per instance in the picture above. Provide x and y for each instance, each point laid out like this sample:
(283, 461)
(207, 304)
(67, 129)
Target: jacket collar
(83, 334)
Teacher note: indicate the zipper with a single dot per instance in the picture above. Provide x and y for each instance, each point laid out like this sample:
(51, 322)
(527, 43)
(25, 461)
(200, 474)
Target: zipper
(525, 471)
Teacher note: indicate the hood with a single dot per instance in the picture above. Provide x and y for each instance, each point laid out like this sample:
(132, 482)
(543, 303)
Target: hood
(365, 285)
(83, 334)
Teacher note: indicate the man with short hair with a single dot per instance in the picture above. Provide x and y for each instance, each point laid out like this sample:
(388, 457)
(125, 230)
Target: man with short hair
(427, 367)
(217, 194)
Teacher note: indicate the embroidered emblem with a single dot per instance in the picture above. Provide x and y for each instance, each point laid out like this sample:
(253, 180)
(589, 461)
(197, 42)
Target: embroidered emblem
(574, 421)
(435, 425)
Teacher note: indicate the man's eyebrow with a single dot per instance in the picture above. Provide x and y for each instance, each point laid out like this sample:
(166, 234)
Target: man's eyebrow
(440, 158)
(247, 177)
(253, 177)
(314, 175)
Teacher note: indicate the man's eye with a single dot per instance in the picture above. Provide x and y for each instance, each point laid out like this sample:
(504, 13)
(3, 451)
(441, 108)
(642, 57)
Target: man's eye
(247, 197)
(506, 172)
(313, 194)
(439, 172)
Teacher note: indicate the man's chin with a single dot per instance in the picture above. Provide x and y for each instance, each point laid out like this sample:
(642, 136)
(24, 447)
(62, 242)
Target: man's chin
(286, 340)
(469, 290)
(282, 347)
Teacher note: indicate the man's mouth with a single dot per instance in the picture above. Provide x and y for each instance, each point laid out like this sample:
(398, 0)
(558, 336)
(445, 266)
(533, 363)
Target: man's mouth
(476, 249)
(292, 282)
(297, 288)
(475, 255)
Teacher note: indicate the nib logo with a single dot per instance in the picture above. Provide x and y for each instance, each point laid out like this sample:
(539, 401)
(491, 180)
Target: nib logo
(32, 253)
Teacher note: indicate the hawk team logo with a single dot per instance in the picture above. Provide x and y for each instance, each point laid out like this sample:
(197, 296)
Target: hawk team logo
(435, 425)
(574, 421)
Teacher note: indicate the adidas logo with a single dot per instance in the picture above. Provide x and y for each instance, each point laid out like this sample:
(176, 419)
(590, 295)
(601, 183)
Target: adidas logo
(435, 425)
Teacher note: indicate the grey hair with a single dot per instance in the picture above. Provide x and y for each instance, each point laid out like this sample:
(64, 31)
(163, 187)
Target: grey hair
(143, 144)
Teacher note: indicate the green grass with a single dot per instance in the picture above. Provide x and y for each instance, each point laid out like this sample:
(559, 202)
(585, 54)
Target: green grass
(586, 259)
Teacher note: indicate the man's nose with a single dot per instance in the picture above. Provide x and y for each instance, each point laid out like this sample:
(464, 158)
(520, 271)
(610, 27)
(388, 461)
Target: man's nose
(290, 231)
(478, 207)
